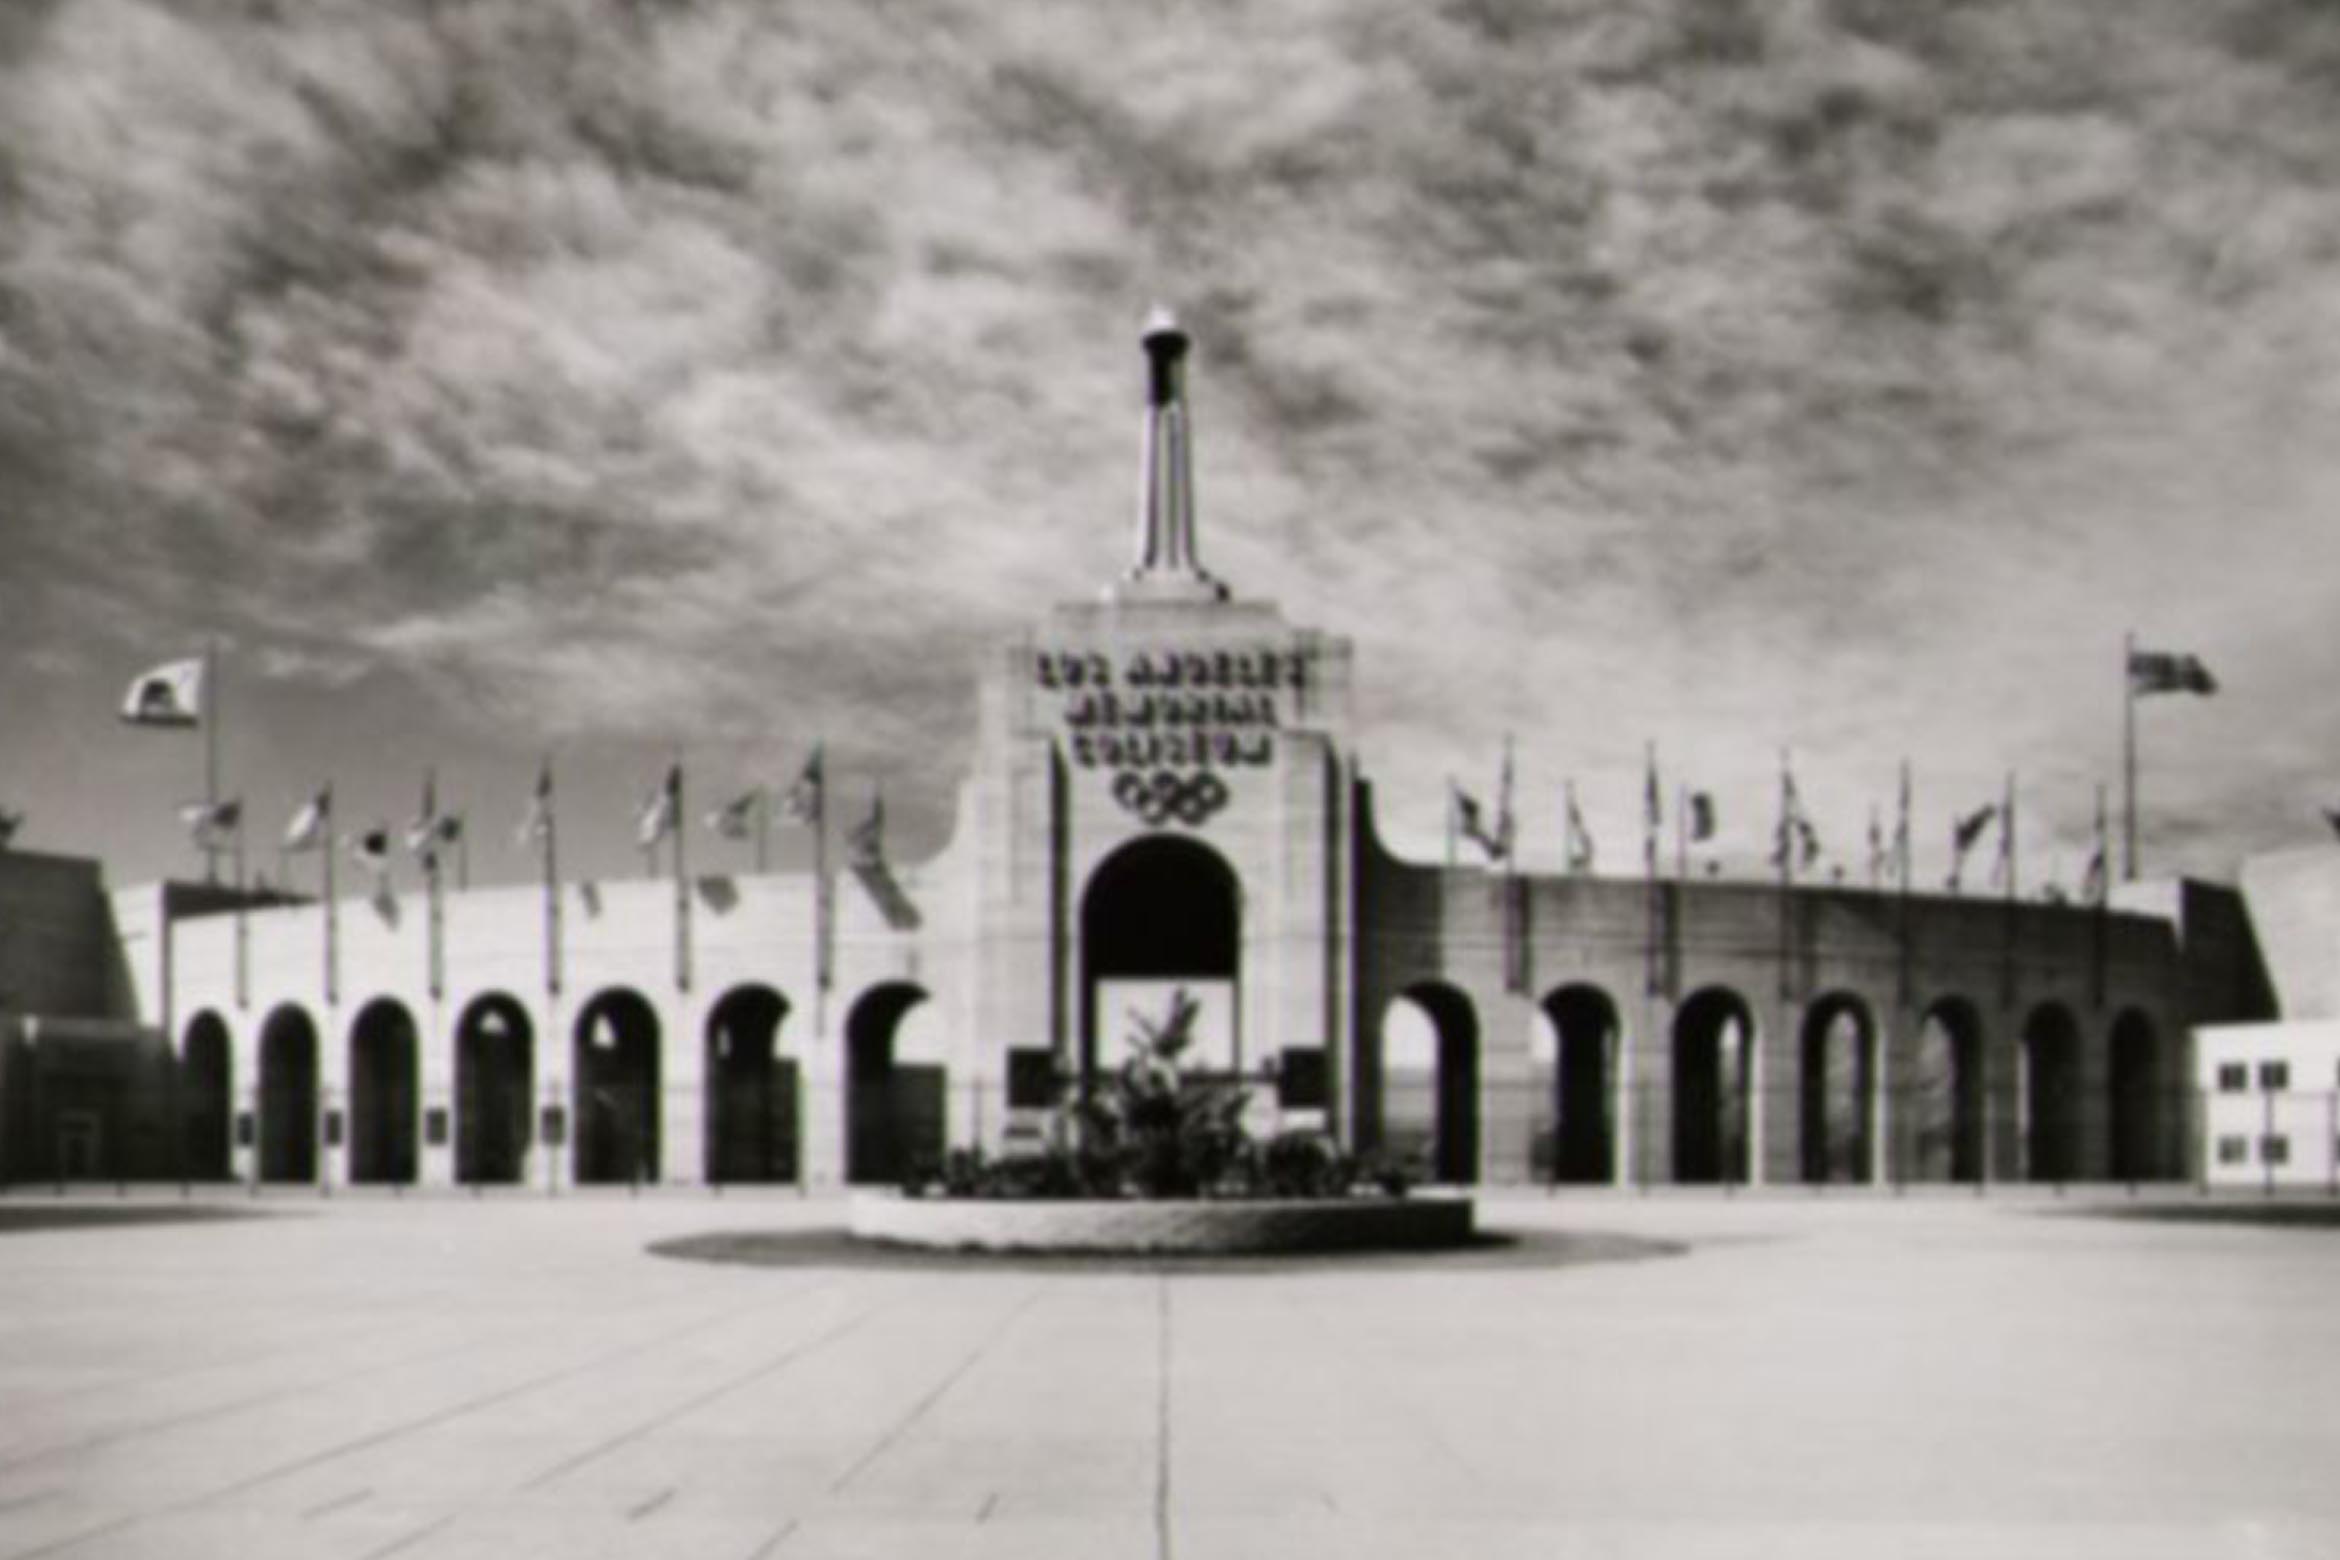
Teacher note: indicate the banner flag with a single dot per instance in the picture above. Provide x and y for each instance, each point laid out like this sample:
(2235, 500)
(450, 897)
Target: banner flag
(11, 820)
(1580, 840)
(1963, 833)
(168, 695)
(213, 824)
(536, 824)
(372, 848)
(1701, 816)
(802, 804)
(660, 809)
(312, 825)
(2162, 671)
(736, 819)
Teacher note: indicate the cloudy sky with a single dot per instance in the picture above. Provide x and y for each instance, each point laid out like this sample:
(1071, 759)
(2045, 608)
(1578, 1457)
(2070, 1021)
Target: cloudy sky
(610, 379)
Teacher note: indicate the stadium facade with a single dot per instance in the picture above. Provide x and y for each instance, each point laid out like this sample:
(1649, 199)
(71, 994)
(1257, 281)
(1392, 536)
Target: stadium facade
(1164, 794)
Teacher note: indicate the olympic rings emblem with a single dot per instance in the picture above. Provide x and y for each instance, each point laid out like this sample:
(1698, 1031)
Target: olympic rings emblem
(1163, 795)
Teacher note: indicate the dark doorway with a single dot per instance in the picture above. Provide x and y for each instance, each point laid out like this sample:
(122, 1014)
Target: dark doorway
(495, 1055)
(893, 1110)
(1163, 907)
(206, 1099)
(384, 1096)
(615, 1073)
(1714, 1043)
(1943, 1095)
(2051, 1060)
(751, 1090)
(1584, 1029)
(1839, 1090)
(2136, 1099)
(288, 1097)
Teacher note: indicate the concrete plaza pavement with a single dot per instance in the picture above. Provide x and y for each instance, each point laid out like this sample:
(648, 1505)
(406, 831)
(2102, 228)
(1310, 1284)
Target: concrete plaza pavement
(1819, 1377)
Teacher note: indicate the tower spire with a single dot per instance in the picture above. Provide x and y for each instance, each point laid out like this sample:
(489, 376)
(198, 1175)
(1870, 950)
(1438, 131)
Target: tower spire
(1166, 567)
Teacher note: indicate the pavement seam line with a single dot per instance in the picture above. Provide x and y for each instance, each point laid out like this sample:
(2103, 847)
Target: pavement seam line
(410, 1540)
(771, 1546)
(789, 1357)
(1162, 1417)
(918, 1411)
(335, 1504)
(650, 1505)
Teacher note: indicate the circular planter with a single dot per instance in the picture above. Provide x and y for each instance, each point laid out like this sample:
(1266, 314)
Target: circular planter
(1197, 1228)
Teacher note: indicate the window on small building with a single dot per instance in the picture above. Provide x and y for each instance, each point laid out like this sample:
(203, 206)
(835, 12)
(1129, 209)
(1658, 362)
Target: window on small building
(2274, 1077)
(2233, 1150)
(2275, 1149)
(2233, 1077)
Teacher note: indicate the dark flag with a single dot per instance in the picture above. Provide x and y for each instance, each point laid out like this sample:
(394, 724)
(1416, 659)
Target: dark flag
(2160, 671)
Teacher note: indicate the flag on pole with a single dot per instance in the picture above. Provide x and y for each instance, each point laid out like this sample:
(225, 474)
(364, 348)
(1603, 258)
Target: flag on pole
(213, 824)
(2331, 816)
(1580, 840)
(1506, 822)
(1471, 823)
(1701, 816)
(312, 825)
(2092, 876)
(2003, 864)
(371, 849)
(536, 824)
(1795, 833)
(660, 810)
(2162, 671)
(1963, 833)
(802, 803)
(1877, 855)
(169, 695)
(11, 820)
(1653, 811)
(736, 819)
(432, 829)
(865, 842)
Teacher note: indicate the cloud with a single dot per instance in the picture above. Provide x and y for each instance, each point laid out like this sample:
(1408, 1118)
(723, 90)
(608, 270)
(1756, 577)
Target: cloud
(1845, 376)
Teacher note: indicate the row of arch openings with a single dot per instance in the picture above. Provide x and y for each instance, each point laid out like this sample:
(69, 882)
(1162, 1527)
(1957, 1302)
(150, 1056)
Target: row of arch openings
(1427, 1062)
(610, 1122)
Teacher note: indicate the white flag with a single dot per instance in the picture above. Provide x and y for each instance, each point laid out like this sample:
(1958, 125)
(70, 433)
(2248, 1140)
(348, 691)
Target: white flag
(169, 695)
(659, 812)
(310, 825)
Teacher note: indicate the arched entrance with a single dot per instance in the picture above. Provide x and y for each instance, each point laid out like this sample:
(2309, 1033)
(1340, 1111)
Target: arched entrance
(206, 1099)
(1430, 1082)
(1839, 1089)
(288, 1097)
(2051, 1089)
(2136, 1102)
(1714, 1043)
(893, 1108)
(1943, 1095)
(751, 1090)
(1162, 911)
(1584, 1032)
(384, 1093)
(495, 1057)
(614, 1065)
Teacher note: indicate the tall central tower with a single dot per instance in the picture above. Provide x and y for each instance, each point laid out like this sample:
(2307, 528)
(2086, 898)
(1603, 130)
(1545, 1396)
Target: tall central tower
(1161, 801)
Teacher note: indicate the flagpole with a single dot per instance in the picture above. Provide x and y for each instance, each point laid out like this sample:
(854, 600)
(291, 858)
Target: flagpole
(2101, 897)
(763, 830)
(1905, 848)
(243, 928)
(1452, 809)
(2129, 756)
(211, 718)
(2007, 855)
(332, 913)
(682, 889)
(823, 931)
(1787, 843)
(552, 892)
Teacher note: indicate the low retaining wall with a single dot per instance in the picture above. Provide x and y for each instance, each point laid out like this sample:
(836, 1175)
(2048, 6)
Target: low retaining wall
(984, 1225)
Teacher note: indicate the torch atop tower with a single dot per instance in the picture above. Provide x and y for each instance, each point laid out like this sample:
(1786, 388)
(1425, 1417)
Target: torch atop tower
(1166, 568)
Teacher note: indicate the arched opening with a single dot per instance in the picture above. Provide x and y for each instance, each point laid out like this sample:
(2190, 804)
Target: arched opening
(495, 1063)
(893, 1107)
(206, 1099)
(288, 1097)
(384, 1095)
(1944, 1094)
(614, 1065)
(1161, 912)
(1714, 1043)
(2136, 1101)
(1430, 1082)
(2051, 1090)
(751, 1090)
(1584, 1046)
(1839, 1089)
